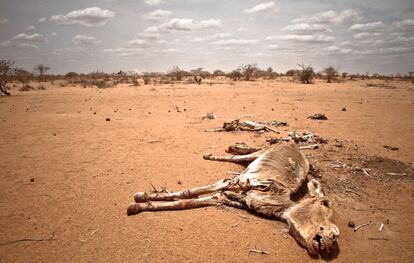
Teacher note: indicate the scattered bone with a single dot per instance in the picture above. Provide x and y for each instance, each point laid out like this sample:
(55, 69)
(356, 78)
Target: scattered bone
(93, 232)
(241, 149)
(306, 136)
(397, 174)
(261, 251)
(238, 125)
(318, 116)
(274, 123)
(209, 116)
(360, 226)
(309, 147)
(381, 227)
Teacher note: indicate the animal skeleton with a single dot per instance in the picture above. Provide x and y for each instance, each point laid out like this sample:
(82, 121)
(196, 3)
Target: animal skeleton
(270, 186)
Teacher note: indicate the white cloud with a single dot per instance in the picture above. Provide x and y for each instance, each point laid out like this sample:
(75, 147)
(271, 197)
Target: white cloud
(183, 24)
(366, 35)
(329, 17)
(210, 37)
(149, 35)
(405, 25)
(338, 50)
(137, 42)
(154, 2)
(4, 20)
(34, 38)
(30, 28)
(373, 26)
(241, 29)
(83, 40)
(157, 15)
(318, 38)
(42, 20)
(124, 52)
(235, 42)
(272, 46)
(92, 16)
(304, 28)
(27, 45)
(263, 7)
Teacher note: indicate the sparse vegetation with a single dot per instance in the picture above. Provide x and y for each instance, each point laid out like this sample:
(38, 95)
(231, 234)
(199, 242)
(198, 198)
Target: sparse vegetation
(248, 71)
(176, 73)
(306, 73)
(6, 70)
(41, 69)
(331, 73)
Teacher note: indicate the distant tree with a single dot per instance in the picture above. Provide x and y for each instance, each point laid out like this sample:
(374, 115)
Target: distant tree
(248, 70)
(42, 70)
(71, 74)
(306, 73)
(218, 72)
(292, 72)
(234, 75)
(6, 70)
(22, 75)
(176, 73)
(344, 75)
(331, 72)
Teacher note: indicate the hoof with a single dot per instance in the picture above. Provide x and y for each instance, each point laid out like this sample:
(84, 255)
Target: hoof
(133, 209)
(207, 156)
(140, 197)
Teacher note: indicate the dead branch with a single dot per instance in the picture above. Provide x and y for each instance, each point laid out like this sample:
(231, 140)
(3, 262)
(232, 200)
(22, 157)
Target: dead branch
(378, 238)
(28, 239)
(360, 226)
(261, 251)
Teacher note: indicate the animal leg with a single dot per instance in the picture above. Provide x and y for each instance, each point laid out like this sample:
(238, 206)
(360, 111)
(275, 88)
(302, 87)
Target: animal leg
(211, 200)
(185, 194)
(234, 158)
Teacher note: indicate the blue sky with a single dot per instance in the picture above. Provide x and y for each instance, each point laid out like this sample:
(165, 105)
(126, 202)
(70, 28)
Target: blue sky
(154, 35)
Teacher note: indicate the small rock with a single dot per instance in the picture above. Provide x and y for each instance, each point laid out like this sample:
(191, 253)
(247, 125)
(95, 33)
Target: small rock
(318, 116)
(108, 119)
(94, 113)
(179, 182)
(54, 134)
(343, 109)
(351, 224)
(31, 179)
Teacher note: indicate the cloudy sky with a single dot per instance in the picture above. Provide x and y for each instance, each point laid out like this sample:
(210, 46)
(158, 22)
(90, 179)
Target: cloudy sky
(154, 35)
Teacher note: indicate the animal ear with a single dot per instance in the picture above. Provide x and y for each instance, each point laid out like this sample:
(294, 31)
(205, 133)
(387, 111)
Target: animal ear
(315, 188)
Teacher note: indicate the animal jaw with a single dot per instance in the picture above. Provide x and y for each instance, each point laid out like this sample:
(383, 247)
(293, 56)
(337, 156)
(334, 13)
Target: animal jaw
(318, 233)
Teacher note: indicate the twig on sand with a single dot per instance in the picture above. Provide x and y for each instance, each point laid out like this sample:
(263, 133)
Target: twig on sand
(237, 224)
(261, 251)
(360, 226)
(29, 240)
(378, 238)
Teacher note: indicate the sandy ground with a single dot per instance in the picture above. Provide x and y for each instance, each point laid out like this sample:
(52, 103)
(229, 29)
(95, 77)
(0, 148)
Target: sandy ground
(66, 170)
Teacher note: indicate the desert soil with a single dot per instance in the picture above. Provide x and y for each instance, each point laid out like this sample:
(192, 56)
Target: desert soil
(66, 172)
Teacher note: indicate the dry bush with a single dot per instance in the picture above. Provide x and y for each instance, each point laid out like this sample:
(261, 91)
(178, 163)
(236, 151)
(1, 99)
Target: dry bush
(176, 73)
(331, 73)
(42, 70)
(218, 73)
(147, 78)
(248, 71)
(306, 73)
(234, 75)
(26, 87)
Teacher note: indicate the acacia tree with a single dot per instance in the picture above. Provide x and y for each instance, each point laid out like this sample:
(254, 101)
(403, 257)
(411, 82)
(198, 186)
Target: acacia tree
(6, 70)
(41, 69)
